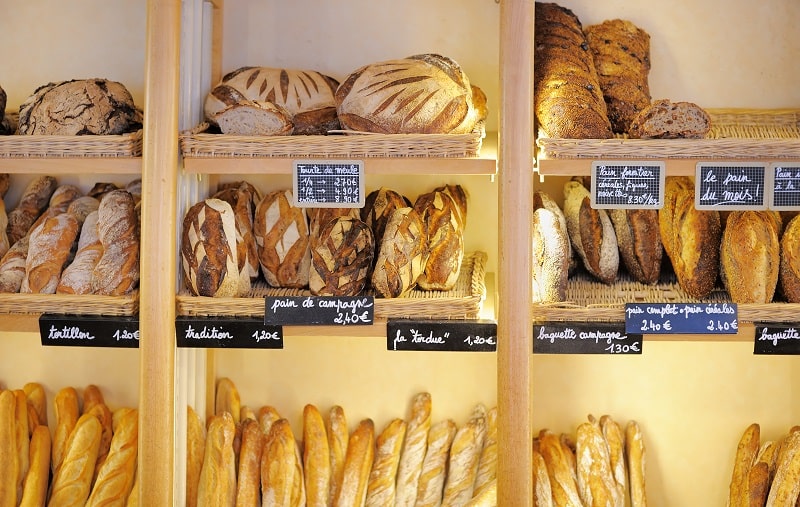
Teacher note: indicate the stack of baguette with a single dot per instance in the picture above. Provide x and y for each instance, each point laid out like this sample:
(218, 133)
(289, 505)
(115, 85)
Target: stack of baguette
(603, 465)
(390, 245)
(58, 239)
(245, 457)
(766, 472)
(88, 459)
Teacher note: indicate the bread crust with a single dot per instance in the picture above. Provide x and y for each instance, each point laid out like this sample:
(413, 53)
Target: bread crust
(72, 480)
(750, 257)
(282, 238)
(357, 466)
(434, 466)
(381, 487)
(591, 233)
(639, 240)
(664, 119)
(414, 449)
(316, 458)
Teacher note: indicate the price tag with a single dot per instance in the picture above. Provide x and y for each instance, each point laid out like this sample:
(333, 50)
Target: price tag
(441, 335)
(785, 186)
(628, 184)
(328, 183)
(731, 186)
(775, 339)
(89, 331)
(585, 338)
(681, 318)
(319, 310)
(227, 333)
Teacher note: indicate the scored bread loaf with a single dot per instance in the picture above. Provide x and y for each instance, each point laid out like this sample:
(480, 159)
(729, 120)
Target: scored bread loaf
(789, 274)
(283, 242)
(750, 256)
(542, 199)
(357, 466)
(591, 233)
(402, 254)
(117, 271)
(378, 208)
(104, 415)
(414, 448)
(663, 119)
(316, 458)
(248, 476)
(49, 247)
(341, 257)
(217, 484)
(37, 398)
(568, 100)
(77, 276)
(542, 493)
(615, 438)
(444, 223)
(744, 459)
(549, 257)
(67, 411)
(381, 488)
(82, 207)
(195, 449)
(785, 488)
(32, 203)
(62, 198)
(465, 454)
(115, 477)
(282, 468)
(434, 467)
(420, 94)
(321, 217)
(639, 240)
(243, 198)
(487, 464)
(338, 438)
(227, 399)
(635, 453)
(72, 480)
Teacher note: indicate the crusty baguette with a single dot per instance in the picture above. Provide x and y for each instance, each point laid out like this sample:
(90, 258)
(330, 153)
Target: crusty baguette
(635, 452)
(8, 450)
(465, 453)
(487, 465)
(414, 448)
(217, 485)
(247, 413)
(267, 415)
(77, 276)
(560, 470)
(34, 492)
(757, 484)
(487, 497)
(381, 487)
(596, 483)
(615, 438)
(50, 244)
(116, 272)
(434, 467)
(248, 486)
(32, 203)
(115, 478)
(72, 481)
(357, 466)
(67, 411)
(12, 266)
(785, 487)
(746, 453)
(104, 415)
(38, 399)
(133, 498)
(338, 439)
(228, 399)
(316, 458)
(22, 437)
(195, 449)
(542, 494)
(281, 468)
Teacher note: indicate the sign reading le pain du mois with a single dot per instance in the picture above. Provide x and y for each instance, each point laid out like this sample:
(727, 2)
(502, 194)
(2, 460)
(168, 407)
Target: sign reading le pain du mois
(88, 331)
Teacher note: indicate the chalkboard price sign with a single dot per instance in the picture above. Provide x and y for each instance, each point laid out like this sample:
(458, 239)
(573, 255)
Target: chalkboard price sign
(731, 186)
(777, 340)
(627, 184)
(585, 338)
(785, 186)
(89, 331)
(328, 183)
(319, 310)
(681, 318)
(441, 335)
(227, 333)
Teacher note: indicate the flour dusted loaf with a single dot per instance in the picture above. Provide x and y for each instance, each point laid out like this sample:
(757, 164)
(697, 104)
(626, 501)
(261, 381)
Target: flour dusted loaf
(621, 53)
(568, 101)
(420, 94)
(32, 203)
(306, 97)
(80, 107)
(402, 254)
(117, 271)
(282, 240)
(664, 119)
(591, 233)
(243, 198)
(77, 276)
(208, 250)
(341, 257)
(444, 220)
(550, 257)
(750, 256)
(48, 252)
(250, 118)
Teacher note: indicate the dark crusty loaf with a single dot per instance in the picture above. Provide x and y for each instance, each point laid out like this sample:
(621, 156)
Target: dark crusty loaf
(341, 256)
(568, 101)
(591, 233)
(670, 120)
(421, 94)
(378, 207)
(790, 261)
(445, 228)
(80, 106)
(32, 203)
(621, 52)
(639, 240)
(402, 253)
(208, 250)
(318, 218)
(282, 240)
(750, 256)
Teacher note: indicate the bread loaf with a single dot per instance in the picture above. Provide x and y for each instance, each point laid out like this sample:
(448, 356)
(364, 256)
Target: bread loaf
(282, 239)
(248, 484)
(487, 497)
(100, 189)
(750, 257)
(251, 118)
(639, 240)
(12, 266)
(789, 273)
(341, 256)
(217, 484)
(80, 107)
(32, 203)
(22, 440)
(542, 493)
(434, 467)
(77, 276)
(542, 199)
(568, 100)
(62, 198)
(381, 486)
(615, 439)
(745, 458)
(72, 480)
(591, 233)
(596, 483)
(48, 252)
(227, 399)
(421, 94)
(115, 478)
(282, 468)
(67, 411)
(621, 54)
(4, 243)
(560, 470)
(487, 465)
(316, 458)
(267, 415)
(243, 198)
(378, 208)
(402, 255)
(195, 450)
(8, 450)
(321, 217)
(785, 487)
(34, 492)
(635, 453)
(103, 414)
(550, 257)
(691, 237)
(357, 466)
(133, 498)
(414, 448)
(465, 453)
(445, 227)
(82, 207)
(663, 119)
(208, 250)
(117, 271)
(338, 439)
(37, 398)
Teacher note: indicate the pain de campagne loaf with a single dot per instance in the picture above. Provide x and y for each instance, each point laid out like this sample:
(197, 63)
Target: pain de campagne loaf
(341, 257)
(282, 239)
(444, 222)
(402, 254)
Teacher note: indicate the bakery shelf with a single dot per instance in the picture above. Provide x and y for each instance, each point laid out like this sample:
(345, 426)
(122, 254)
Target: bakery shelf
(70, 166)
(72, 304)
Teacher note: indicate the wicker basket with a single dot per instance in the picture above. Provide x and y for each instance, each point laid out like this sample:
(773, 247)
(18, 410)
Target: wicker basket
(735, 133)
(198, 142)
(71, 304)
(464, 301)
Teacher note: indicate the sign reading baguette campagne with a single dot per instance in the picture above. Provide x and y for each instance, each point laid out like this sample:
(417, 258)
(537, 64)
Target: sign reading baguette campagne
(328, 183)
(89, 331)
(319, 310)
(681, 318)
(227, 333)
(585, 338)
(627, 184)
(441, 335)
(777, 339)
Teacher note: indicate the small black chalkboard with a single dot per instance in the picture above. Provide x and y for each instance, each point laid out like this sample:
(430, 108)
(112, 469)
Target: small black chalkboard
(89, 331)
(774, 339)
(441, 335)
(627, 184)
(681, 318)
(785, 186)
(730, 186)
(328, 183)
(585, 338)
(227, 333)
(319, 310)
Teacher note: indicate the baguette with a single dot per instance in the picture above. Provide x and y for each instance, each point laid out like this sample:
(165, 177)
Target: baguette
(281, 468)
(542, 493)
(316, 458)
(195, 449)
(248, 487)
(32, 203)
(22, 437)
(267, 415)
(465, 452)
(785, 487)
(77, 276)
(50, 244)
(8, 450)
(746, 453)
(635, 452)
(615, 438)
(560, 470)
(381, 486)
(487, 465)
(217, 486)
(67, 412)
(72, 481)
(228, 399)
(434, 467)
(115, 478)
(34, 491)
(12, 266)
(357, 466)
(103, 414)
(133, 498)
(414, 448)
(757, 484)
(596, 483)
(487, 497)
(37, 398)
(338, 439)
(117, 270)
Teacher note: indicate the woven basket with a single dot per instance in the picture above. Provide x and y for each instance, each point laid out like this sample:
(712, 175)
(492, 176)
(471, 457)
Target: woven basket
(462, 302)
(198, 142)
(735, 133)
(71, 304)
(592, 301)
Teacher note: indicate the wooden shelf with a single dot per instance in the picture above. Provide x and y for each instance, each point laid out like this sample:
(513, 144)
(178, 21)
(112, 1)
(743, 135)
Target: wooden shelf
(67, 165)
(583, 166)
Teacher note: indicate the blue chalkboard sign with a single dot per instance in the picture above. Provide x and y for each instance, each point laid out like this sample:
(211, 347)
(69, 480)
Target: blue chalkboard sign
(227, 333)
(585, 338)
(88, 331)
(628, 184)
(731, 186)
(777, 339)
(681, 318)
(328, 183)
(785, 186)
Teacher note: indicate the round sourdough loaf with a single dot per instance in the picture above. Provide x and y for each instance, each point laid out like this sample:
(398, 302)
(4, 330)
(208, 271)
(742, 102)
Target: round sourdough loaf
(341, 257)
(282, 240)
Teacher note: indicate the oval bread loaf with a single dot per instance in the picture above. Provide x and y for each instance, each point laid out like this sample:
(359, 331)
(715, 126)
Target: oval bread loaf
(282, 239)
(402, 254)
(208, 250)
(591, 233)
(117, 271)
(639, 240)
(444, 222)
(550, 257)
(789, 263)
(341, 257)
(750, 257)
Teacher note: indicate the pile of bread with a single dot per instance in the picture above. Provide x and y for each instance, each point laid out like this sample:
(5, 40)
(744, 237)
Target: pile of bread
(89, 458)
(248, 457)
(602, 465)
(58, 239)
(422, 94)
(592, 83)
(75, 107)
(765, 472)
(752, 254)
(390, 245)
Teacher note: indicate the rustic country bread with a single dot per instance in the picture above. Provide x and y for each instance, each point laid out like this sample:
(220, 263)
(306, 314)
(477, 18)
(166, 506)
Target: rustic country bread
(381, 488)
(465, 453)
(251, 118)
(217, 484)
(550, 257)
(591, 233)
(568, 100)
(639, 240)
(561, 471)
(750, 257)
(243, 198)
(621, 53)
(670, 120)
(789, 274)
(77, 276)
(434, 467)
(378, 207)
(282, 239)
(414, 448)
(691, 237)
(542, 199)
(444, 222)
(341, 256)
(596, 483)
(117, 271)
(12, 266)
(321, 217)
(421, 94)
(48, 253)
(78, 107)
(32, 203)
(402, 254)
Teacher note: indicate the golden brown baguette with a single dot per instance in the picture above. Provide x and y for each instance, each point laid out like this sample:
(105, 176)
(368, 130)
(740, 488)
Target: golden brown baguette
(218, 477)
(72, 481)
(757, 484)
(117, 270)
(247, 413)
(34, 491)
(228, 399)
(357, 466)
(195, 449)
(596, 483)
(266, 416)
(487, 465)
(746, 453)
(434, 467)
(104, 415)
(133, 498)
(338, 438)
(785, 487)
(22, 437)
(67, 410)
(487, 497)
(560, 470)
(635, 452)
(542, 494)
(38, 399)
(381, 485)
(115, 478)
(615, 438)
(316, 458)
(465, 453)
(248, 487)
(414, 447)
(8, 450)
(32, 203)
(281, 468)
(49, 247)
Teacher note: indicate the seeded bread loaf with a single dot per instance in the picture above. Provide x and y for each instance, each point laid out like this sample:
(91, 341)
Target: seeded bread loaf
(750, 256)
(789, 263)
(670, 120)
